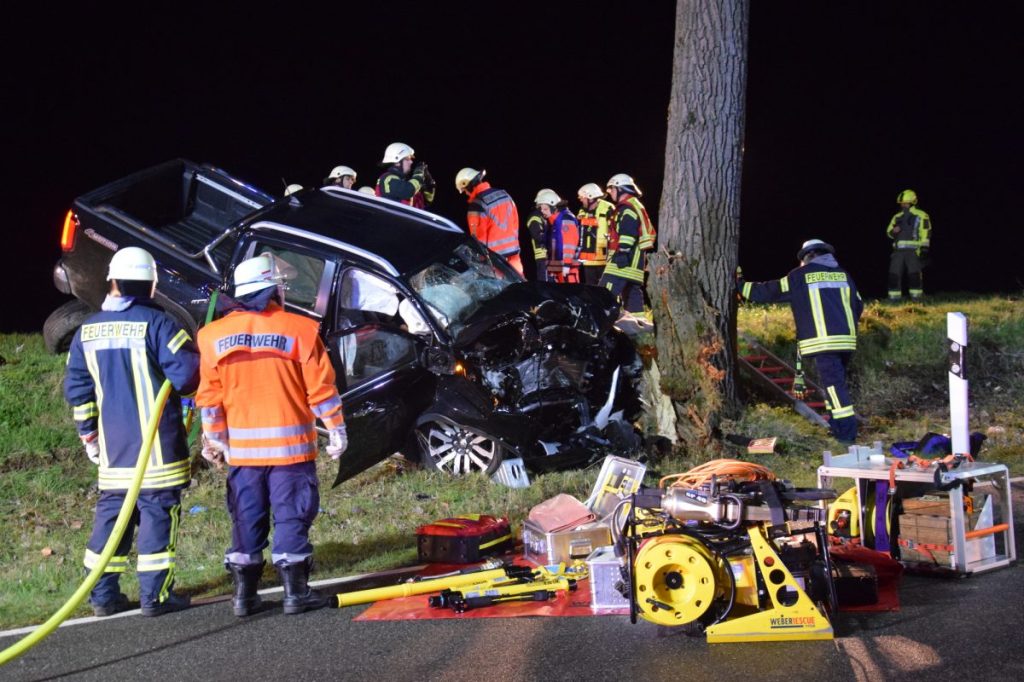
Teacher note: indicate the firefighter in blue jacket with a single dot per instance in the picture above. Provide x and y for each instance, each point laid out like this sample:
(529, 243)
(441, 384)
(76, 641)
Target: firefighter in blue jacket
(117, 364)
(826, 308)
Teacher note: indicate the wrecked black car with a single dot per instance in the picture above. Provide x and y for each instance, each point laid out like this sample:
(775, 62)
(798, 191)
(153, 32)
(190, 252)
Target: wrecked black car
(442, 351)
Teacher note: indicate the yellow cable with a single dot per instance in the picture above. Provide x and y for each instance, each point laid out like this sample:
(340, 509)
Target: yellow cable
(37, 635)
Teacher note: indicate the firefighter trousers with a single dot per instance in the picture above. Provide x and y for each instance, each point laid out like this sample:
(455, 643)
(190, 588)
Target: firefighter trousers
(291, 493)
(157, 514)
(905, 261)
(630, 293)
(832, 373)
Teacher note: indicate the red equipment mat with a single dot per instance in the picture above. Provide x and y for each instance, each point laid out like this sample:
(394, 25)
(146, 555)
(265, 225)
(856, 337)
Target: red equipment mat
(888, 570)
(575, 603)
(564, 604)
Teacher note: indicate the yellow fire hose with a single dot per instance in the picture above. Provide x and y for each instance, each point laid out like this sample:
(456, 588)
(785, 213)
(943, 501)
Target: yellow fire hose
(37, 635)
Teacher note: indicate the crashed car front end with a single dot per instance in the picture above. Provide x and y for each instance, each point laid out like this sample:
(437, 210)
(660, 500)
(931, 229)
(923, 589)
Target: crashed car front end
(541, 368)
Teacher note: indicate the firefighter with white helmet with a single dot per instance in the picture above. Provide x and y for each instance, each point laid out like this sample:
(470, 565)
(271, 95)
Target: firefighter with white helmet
(119, 359)
(633, 235)
(826, 308)
(342, 176)
(292, 189)
(595, 216)
(264, 380)
(403, 179)
(910, 231)
(491, 216)
(563, 237)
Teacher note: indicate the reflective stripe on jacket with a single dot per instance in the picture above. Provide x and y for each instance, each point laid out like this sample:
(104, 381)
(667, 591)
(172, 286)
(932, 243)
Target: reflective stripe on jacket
(493, 219)
(824, 300)
(393, 185)
(594, 232)
(265, 377)
(564, 238)
(915, 229)
(538, 229)
(648, 235)
(117, 362)
(627, 260)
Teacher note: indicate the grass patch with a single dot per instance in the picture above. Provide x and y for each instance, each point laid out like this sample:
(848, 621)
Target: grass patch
(47, 486)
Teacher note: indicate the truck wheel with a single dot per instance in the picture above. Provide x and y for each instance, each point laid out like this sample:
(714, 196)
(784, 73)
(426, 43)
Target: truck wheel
(61, 325)
(457, 450)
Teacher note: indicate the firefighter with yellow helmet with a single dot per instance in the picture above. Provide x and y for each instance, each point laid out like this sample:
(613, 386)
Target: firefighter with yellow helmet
(910, 231)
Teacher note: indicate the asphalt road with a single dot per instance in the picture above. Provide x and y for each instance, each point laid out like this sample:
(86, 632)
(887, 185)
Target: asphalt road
(948, 628)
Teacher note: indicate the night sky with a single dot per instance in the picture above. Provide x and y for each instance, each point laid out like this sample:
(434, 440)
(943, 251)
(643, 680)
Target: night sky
(847, 104)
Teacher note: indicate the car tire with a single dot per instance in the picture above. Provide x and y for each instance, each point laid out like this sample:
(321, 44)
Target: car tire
(60, 327)
(457, 450)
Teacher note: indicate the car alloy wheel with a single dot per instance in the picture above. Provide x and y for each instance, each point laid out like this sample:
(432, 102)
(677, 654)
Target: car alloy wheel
(457, 450)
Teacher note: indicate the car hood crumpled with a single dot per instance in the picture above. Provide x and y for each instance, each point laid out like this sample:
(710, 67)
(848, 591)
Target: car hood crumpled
(588, 309)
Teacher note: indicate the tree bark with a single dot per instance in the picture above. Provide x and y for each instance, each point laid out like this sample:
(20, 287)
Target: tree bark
(691, 277)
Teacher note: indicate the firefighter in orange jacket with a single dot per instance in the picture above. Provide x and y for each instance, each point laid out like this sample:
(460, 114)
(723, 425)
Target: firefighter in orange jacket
(265, 377)
(563, 238)
(492, 216)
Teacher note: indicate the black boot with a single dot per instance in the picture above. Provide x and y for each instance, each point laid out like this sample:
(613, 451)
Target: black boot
(298, 596)
(247, 580)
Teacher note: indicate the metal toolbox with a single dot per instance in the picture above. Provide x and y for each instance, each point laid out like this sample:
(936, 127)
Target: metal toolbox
(564, 545)
(605, 574)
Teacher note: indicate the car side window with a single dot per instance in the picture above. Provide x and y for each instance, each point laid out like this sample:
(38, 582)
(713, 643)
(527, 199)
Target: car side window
(366, 298)
(304, 275)
(372, 350)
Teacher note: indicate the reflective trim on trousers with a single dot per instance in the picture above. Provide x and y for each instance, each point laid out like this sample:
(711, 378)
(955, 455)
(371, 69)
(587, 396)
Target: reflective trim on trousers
(117, 564)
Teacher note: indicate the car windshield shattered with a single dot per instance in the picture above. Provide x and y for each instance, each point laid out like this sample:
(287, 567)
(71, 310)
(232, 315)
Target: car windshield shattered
(456, 286)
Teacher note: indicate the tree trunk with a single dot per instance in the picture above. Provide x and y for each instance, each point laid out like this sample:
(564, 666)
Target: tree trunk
(691, 281)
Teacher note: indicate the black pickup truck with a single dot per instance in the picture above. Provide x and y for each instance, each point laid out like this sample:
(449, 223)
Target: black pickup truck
(442, 350)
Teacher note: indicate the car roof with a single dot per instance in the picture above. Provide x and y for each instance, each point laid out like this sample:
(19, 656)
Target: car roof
(406, 238)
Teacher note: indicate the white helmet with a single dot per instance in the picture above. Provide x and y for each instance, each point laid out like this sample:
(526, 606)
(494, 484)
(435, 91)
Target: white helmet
(366, 189)
(623, 181)
(589, 191)
(292, 189)
(132, 263)
(338, 172)
(466, 176)
(255, 274)
(548, 196)
(397, 151)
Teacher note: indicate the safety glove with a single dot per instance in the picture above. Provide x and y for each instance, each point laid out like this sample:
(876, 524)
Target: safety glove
(91, 441)
(799, 386)
(214, 451)
(337, 441)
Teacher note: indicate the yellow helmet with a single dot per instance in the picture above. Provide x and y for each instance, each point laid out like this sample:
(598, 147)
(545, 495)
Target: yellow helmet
(549, 197)
(626, 182)
(907, 196)
(465, 177)
(589, 191)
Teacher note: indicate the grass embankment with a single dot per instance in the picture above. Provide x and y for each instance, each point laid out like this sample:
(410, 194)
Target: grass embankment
(47, 486)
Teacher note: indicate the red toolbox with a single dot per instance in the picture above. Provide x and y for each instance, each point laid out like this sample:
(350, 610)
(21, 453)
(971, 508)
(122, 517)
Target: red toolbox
(463, 539)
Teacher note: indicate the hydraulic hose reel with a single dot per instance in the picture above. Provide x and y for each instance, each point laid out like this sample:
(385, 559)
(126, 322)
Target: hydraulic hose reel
(678, 579)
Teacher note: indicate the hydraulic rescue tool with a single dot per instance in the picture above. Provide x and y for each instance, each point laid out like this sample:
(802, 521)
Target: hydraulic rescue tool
(716, 551)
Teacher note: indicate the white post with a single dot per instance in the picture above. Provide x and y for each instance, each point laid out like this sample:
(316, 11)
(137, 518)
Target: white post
(956, 330)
